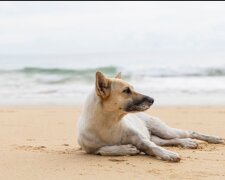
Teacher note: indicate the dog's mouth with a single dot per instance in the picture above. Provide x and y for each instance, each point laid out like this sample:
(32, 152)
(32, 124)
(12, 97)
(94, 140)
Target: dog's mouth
(142, 105)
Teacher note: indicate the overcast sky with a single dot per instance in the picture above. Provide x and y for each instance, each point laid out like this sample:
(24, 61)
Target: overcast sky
(87, 27)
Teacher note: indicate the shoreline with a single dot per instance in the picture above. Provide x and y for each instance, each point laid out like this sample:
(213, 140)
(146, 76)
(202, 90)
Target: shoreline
(80, 106)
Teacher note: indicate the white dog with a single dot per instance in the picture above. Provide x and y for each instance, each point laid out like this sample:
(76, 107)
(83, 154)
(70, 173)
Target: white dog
(112, 124)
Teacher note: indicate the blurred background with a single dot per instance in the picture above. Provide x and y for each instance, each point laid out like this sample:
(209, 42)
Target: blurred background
(172, 51)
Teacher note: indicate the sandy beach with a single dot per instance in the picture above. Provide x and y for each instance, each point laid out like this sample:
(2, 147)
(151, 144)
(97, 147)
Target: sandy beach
(40, 143)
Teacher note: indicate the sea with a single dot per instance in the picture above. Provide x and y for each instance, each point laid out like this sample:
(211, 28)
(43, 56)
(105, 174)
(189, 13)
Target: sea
(172, 79)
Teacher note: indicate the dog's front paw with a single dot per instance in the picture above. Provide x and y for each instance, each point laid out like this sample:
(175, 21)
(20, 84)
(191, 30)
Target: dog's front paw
(215, 140)
(170, 156)
(188, 143)
(131, 150)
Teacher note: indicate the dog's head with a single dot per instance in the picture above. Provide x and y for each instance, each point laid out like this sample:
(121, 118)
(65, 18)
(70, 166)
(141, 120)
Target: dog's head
(118, 95)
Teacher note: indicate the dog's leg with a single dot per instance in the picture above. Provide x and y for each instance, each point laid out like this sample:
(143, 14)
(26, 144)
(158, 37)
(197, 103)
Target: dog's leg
(119, 150)
(149, 147)
(160, 129)
(186, 142)
(209, 139)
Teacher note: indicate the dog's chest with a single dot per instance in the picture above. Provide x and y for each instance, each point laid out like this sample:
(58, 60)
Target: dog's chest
(110, 135)
(134, 122)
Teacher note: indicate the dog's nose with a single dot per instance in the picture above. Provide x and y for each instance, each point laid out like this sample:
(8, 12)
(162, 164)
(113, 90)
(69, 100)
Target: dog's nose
(152, 100)
(149, 99)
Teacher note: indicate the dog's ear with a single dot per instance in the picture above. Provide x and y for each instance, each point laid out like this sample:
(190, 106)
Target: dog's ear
(102, 85)
(118, 76)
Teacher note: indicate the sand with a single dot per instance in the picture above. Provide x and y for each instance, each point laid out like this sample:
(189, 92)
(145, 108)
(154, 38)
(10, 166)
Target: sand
(40, 143)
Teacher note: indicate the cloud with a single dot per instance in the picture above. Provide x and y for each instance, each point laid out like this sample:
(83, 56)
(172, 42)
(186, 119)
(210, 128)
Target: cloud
(74, 27)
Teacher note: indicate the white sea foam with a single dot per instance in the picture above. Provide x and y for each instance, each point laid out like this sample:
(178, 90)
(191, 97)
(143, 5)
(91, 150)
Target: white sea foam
(68, 79)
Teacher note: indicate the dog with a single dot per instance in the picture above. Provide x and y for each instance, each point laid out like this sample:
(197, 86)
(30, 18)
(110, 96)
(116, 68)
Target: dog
(113, 123)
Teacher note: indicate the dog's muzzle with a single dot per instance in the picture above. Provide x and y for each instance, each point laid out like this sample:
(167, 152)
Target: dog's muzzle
(140, 105)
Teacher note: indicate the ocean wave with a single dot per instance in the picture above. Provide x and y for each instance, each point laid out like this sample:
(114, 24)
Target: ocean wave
(179, 72)
(59, 75)
(88, 73)
(38, 70)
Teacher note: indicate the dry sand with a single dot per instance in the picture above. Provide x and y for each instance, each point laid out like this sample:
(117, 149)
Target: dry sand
(40, 143)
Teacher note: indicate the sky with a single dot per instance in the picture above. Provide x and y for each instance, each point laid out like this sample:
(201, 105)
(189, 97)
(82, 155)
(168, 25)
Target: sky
(102, 27)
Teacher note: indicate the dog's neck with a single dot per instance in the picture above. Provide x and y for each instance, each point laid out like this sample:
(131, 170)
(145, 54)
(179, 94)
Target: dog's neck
(97, 113)
(106, 115)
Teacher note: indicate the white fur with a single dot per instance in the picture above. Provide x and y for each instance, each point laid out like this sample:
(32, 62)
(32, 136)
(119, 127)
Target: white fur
(107, 133)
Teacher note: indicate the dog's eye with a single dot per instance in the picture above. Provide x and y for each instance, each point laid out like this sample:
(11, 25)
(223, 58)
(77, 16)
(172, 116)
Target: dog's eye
(127, 91)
